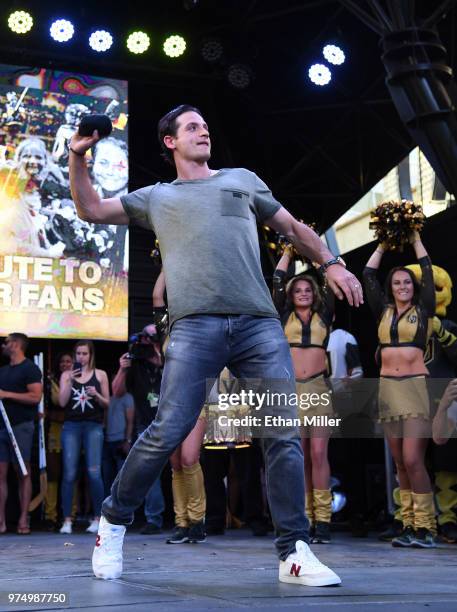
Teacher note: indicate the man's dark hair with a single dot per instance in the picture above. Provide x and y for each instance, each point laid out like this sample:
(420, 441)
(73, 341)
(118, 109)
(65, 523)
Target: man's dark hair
(21, 338)
(168, 126)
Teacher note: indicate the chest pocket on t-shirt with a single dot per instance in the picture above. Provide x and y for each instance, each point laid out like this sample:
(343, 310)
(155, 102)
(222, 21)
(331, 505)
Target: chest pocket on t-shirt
(234, 203)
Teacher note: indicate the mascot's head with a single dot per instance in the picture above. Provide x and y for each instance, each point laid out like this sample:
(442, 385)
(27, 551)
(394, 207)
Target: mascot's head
(443, 287)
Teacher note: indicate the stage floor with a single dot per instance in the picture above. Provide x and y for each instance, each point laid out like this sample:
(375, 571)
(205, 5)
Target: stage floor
(231, 572)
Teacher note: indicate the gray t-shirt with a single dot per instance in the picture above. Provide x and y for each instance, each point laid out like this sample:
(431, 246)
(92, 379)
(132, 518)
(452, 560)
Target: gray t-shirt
(115, 420)
(208, 241)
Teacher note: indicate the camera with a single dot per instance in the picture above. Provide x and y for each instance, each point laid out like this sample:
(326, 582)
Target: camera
(138, 348)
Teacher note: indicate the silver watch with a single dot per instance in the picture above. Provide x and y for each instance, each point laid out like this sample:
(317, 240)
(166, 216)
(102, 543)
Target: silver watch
(335, 260)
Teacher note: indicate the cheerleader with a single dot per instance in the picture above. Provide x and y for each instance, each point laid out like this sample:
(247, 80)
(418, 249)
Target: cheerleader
(306, 314)
(404, 312)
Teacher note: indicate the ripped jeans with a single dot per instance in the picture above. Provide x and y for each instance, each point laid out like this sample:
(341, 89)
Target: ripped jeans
(200, 347)
(89, 435)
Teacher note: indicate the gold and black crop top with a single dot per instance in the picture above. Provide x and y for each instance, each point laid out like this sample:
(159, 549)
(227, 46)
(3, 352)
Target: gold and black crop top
(316, 332)
(414, 326)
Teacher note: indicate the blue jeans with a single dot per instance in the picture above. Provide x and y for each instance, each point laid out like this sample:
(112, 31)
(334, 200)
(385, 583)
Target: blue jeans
(90, 436)
(154, 503)
(199, 348)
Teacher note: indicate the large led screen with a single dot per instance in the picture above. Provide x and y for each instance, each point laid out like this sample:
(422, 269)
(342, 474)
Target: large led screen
(60, 277)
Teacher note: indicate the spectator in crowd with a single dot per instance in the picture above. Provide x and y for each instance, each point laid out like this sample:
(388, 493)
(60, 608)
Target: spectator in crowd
(404, 313)
(20, 391)
(344, 357)
(306, 311)
(118, 437)
(140, 373)
(350, 450)
(54, 417)
(84, 394)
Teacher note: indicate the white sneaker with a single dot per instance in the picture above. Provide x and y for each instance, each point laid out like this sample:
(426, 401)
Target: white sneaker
(303, 567)
(107, 555)
(93, 527)
(66, 527)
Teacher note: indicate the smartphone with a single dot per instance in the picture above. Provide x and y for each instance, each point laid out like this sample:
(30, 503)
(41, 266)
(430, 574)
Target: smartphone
(77, 366)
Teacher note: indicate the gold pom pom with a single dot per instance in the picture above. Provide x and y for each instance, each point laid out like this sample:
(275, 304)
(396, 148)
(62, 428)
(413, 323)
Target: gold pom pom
(277, 243)
(393, 222)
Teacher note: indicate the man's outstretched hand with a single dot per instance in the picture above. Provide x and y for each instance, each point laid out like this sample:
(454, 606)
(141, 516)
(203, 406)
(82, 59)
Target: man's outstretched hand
(344, 284)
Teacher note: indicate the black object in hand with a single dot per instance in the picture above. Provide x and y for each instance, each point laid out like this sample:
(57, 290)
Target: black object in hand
(90, 123)
(77, 366)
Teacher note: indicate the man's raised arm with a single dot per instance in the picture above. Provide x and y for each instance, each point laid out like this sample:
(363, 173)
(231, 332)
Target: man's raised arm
(342, 282)
(89, 206)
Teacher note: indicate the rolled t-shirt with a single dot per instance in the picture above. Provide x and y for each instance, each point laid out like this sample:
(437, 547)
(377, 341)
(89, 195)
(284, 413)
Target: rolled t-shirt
(207, 231)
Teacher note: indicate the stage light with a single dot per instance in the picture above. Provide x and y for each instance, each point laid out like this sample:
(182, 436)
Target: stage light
(239, 76)
(138, 42)
(174, 46)
(100, 40)
(319, 74)
(62, 30)
(334, 55)
(212, 50)
(20, 22)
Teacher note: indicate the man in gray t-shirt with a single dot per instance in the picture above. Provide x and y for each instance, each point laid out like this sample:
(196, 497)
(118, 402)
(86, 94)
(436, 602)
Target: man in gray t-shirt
(221, 315)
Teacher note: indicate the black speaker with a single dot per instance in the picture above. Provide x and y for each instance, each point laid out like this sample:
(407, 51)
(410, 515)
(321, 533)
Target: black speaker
(90, 123)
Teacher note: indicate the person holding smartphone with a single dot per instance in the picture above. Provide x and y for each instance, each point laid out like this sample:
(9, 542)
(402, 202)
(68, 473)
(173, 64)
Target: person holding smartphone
(84, 394)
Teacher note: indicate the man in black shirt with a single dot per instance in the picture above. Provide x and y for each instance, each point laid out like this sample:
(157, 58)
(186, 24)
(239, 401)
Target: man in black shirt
(20, 391)
(142, 377)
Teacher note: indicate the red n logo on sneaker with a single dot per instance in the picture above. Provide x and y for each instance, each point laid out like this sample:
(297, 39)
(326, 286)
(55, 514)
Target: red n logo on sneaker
(295, 570)
(97, 541)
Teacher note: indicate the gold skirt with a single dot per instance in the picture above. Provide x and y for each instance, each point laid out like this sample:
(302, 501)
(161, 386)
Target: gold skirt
(314, 397)
(223, 433)
(403, 398)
